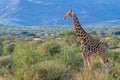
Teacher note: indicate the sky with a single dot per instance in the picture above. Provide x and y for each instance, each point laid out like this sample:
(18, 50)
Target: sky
(51, 12)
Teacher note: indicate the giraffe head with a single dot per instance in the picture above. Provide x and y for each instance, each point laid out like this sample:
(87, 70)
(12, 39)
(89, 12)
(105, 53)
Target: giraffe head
(68, 14)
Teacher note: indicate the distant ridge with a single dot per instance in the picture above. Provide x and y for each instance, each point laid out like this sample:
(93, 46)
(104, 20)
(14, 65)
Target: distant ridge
(51, 12)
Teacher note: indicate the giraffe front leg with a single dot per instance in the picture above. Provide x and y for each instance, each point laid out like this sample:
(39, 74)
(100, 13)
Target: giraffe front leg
(89, 62)
(85, 60)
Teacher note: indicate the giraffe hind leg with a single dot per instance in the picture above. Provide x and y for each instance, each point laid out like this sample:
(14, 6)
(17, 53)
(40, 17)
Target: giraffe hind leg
(103, 59)
(104, 62)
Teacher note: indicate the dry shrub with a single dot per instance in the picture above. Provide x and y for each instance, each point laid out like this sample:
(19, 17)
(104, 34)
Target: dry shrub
(51, 70)
(91, 75)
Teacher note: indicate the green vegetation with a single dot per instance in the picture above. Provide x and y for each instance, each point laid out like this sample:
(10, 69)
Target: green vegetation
(52, 57)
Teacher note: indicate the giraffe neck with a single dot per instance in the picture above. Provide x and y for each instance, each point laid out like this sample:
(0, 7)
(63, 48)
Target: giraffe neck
(80, 32)
(76, 23)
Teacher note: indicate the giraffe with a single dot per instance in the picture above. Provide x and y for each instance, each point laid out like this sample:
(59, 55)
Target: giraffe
(91, 46)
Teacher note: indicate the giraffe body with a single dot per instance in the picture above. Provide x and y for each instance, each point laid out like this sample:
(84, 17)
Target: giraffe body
(91, 46)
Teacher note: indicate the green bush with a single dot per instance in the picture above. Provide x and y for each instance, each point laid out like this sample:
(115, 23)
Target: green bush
(69, 36)
(67, 32)
(51, 47)
(114, 42)
(52, 70)
(54, 48)
(70, 39)
(1, 47)
(24, 57)
(71, 56)
(1, 50)
(5, 65)
(9, 48)
(32, 63)
(114, 55)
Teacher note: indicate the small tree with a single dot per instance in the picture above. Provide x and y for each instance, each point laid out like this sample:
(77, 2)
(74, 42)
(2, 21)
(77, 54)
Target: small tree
(1, 46)
(54, 48)
(9, 48)
(51, 47)
(1, 50)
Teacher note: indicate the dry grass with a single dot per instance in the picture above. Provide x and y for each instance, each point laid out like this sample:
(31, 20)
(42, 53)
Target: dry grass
(3, 78)
(116, 50)
(91, 75)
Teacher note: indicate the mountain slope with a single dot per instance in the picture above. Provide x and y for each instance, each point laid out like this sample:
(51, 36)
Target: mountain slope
(51, 12)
